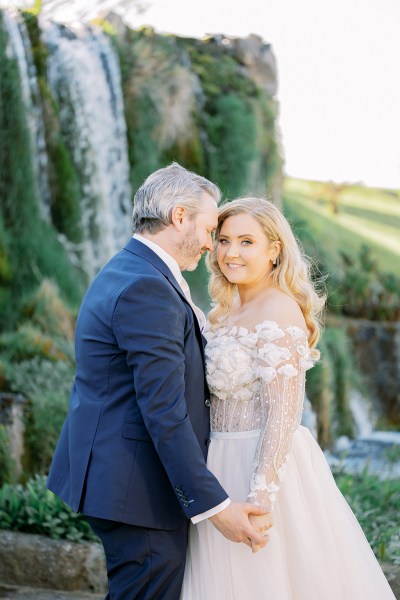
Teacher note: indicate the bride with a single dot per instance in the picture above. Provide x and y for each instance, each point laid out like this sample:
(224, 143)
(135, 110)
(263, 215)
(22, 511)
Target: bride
(262, 338)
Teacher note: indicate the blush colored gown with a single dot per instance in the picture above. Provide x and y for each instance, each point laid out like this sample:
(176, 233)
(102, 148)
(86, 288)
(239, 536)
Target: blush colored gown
(260, 452)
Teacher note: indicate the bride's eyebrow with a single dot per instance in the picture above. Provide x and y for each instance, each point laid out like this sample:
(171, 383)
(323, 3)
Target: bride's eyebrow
(244, 235)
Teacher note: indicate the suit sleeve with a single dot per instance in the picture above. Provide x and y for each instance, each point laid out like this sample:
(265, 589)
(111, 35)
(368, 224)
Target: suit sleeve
(149, 324)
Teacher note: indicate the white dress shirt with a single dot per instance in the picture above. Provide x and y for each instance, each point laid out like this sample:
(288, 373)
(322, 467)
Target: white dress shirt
(176, 272)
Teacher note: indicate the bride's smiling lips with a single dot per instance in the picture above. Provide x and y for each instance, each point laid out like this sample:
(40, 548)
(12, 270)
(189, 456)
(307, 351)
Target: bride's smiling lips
(231, 265)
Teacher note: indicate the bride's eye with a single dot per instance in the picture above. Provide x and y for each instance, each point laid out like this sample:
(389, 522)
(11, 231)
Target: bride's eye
(222, 241)
(246, 242)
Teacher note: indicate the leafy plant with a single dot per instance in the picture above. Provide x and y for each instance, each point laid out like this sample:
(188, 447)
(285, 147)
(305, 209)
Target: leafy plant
(32, 508)
(375, 504)
(46, 385)
(366, 291)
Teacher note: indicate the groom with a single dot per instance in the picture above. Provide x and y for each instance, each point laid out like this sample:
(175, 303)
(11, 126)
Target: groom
(132, 452)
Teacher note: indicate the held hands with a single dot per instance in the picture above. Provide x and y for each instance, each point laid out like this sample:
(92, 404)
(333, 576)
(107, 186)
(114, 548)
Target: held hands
(261, 523)
(238, 523)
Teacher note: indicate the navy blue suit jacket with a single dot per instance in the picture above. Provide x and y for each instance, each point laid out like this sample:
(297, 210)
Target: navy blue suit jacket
(134, 443)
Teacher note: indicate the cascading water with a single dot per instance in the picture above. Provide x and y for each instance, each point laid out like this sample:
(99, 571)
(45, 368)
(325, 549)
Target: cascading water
(19, 48)
(84, 76)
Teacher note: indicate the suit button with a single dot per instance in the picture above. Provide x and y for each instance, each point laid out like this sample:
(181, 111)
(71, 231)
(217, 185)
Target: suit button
(207, 402)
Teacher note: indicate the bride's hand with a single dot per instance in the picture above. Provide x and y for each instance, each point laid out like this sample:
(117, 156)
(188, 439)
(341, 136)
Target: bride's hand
(261, 523)
(233, 522)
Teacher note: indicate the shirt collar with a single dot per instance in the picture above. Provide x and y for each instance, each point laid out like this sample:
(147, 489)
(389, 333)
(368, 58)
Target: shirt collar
(165, 257)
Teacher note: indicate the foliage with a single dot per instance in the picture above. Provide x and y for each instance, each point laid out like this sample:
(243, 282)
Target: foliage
(34, 509)
(230, 136)
(232, 132)
(63, 178)
(29, 341)
(376, 506)
(6, 462)
(144, 151)
(46, 385)
(46, 310)
(365, 291)
(30, 250)
(219, 73)
(320, 391)
(241, 151)
(329, 385)
(357, 285)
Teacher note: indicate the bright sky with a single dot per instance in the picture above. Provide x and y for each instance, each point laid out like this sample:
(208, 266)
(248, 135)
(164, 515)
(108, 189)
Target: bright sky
(338, 76)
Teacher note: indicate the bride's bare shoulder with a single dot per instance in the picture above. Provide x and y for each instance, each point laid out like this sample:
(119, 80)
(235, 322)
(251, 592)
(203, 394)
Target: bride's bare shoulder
(282, 308)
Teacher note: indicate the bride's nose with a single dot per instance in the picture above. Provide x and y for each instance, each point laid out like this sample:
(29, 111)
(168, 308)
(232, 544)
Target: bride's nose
(232, 251)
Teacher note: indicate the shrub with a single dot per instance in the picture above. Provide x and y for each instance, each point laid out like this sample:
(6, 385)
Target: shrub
(32, 508)
(46, 385)
(366, 292)
(46, 310)
(376, 506)
(28, 342)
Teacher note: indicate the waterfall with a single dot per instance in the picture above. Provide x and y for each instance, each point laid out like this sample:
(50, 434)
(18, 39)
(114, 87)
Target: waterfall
(362, 412)
(19, 48)
(84, 76)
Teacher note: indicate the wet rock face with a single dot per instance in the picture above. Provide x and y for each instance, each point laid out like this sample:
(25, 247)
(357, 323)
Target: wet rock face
(38, 561)
(377, 351)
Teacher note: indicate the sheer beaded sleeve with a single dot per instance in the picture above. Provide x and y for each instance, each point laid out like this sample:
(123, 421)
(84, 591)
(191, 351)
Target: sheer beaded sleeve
(283, 356)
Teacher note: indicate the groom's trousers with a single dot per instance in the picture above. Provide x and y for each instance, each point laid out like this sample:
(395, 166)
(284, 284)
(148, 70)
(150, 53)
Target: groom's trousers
(142, 563)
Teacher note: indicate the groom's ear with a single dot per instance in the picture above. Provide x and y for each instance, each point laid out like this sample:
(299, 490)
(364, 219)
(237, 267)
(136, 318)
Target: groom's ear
(179, 215)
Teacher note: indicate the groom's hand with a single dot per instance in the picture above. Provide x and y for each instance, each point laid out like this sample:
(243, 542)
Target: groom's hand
(233, 522)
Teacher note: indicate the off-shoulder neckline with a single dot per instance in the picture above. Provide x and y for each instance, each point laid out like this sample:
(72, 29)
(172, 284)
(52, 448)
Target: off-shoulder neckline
(246, 331)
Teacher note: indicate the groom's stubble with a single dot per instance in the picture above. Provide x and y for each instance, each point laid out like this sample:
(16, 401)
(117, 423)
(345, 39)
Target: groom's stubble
(190, 250)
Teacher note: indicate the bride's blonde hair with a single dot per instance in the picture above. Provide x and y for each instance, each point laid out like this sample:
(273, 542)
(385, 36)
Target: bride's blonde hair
(291, 274)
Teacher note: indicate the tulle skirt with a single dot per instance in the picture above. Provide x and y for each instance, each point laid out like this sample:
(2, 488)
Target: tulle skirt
(316, 551)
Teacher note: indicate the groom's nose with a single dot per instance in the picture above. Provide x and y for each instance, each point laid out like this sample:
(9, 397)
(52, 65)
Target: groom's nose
(210, 243)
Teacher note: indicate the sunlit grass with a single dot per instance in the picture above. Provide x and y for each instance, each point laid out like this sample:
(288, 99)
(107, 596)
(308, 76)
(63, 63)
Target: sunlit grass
(364, 216)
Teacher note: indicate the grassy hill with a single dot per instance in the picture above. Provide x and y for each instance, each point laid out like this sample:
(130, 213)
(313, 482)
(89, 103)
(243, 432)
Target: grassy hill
(334, 219)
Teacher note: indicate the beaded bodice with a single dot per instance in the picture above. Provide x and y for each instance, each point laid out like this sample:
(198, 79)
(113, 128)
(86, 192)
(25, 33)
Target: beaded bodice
(257, 379)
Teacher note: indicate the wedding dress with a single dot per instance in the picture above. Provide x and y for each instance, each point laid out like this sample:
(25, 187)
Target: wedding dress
(260, 453)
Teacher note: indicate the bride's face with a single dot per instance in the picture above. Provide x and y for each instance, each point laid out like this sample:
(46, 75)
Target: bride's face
(244, 253)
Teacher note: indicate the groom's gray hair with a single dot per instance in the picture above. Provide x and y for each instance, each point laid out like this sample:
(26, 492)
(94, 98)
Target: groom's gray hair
(162, 191)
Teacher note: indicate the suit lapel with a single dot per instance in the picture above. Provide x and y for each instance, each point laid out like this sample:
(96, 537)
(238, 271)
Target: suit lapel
(136, 247)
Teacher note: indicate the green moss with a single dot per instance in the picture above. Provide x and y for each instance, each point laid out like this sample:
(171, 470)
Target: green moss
(232, 133)
(219, 73)
(31, 248)
(39, 49)
(63, 178)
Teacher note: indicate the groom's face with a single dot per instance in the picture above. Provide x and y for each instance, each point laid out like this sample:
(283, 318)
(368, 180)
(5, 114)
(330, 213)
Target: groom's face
(197, 239)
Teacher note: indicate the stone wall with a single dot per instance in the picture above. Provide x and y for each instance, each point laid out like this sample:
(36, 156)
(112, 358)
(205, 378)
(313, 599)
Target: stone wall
(40, 562)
